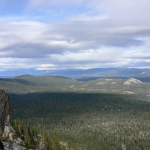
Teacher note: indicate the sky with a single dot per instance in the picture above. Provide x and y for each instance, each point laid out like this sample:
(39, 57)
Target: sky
(76, 34)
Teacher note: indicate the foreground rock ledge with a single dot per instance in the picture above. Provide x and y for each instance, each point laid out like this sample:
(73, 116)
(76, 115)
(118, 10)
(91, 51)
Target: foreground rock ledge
(4, 110)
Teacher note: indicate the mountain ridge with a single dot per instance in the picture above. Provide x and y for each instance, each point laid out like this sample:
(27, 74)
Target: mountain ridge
(78, 73)
(33, 84)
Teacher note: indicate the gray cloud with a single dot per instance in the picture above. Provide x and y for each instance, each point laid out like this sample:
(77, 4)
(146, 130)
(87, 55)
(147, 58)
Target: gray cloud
(39, 40)
(70, 44)
(97, 34)
(119, 35)
(31, 50)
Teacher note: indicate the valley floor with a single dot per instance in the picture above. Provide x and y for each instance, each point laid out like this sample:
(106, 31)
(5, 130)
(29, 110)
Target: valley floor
(89, 120)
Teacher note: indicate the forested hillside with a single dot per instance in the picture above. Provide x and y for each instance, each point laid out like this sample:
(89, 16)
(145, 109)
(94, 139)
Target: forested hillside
(35, 84)
(100, 114)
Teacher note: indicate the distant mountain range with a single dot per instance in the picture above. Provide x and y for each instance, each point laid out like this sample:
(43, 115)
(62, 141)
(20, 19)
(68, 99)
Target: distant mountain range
(80, 73)
(100, 72)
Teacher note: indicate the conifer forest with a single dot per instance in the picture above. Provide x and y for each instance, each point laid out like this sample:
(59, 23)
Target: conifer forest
(112, 115)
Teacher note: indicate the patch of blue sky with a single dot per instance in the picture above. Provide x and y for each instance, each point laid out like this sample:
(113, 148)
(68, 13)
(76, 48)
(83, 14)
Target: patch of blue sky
(13, 8)
(59, 14)
(19, 10)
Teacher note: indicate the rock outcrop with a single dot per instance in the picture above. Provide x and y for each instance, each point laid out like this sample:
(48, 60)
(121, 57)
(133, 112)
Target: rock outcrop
(8, 132)
(132, 80)
(4, 110)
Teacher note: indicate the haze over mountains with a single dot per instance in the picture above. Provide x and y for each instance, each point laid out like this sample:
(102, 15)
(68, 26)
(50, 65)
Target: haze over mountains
(100, 72)
(79, 73)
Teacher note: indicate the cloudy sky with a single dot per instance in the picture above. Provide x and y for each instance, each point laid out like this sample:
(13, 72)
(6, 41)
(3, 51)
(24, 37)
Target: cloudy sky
(74, 34)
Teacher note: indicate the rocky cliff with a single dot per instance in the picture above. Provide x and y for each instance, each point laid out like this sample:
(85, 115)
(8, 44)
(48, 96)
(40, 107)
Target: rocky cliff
(4, 110)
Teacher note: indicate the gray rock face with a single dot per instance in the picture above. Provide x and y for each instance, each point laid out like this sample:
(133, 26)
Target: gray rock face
(132, 80)
(9, 132)
(4, 110)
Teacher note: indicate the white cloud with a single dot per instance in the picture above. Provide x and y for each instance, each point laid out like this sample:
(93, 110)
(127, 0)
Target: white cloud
(15, 63)
(93, 33)
(127, 12)
(87, 17)
(98, 55)
(72, 42)
(46, 69)
(47, 65)
(118, 12)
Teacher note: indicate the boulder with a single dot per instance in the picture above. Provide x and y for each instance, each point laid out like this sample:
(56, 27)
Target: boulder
(4, 110)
